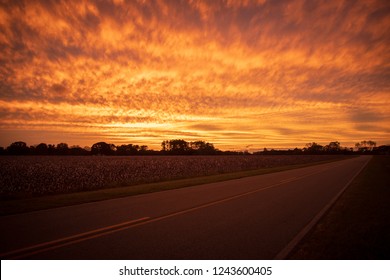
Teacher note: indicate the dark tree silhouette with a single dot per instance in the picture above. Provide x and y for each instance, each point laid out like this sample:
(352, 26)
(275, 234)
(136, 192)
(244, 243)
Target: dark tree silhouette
(51, 149)
(78, 151)
(203, 148)
(127, 150)
(42, 149)
(102, 148)
(382, 150)
(143, 150)
(176, 147)
(62, 149)
(182, 147)
(314, 148)
(164, 146)
(365, 146)
(18, 148)
(333, 147)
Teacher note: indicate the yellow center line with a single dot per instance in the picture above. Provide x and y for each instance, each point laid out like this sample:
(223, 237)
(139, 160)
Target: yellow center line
(50, 245)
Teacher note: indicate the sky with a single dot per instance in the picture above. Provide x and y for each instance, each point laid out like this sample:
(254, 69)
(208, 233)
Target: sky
(239, 74)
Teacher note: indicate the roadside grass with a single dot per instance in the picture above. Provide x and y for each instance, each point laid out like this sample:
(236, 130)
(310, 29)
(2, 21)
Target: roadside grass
(22, 205)
(358, 224)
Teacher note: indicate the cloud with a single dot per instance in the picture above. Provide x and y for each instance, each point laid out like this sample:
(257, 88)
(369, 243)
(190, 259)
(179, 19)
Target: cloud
(213, 68)
(366, 116)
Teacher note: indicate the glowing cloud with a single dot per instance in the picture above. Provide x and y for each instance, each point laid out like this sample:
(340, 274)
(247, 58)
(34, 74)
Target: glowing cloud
(235, 73)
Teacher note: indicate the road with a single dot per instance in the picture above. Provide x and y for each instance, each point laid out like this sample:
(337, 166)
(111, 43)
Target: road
(248, 218)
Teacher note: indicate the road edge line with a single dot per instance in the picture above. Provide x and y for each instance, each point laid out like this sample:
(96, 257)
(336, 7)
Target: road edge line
(282, 255)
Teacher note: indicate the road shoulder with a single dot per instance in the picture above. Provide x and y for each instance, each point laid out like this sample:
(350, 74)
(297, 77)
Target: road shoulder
(358, 224)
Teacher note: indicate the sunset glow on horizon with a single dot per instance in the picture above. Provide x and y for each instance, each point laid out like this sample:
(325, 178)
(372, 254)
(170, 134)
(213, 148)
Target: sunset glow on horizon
(239, 74)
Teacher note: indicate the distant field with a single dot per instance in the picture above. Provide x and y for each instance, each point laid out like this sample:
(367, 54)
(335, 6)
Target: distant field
(26, 176)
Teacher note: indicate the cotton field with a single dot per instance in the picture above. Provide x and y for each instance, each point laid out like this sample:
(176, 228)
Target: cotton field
(41, 175)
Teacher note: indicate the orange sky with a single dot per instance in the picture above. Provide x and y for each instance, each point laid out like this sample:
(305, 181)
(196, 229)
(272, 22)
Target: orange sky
(239, 74)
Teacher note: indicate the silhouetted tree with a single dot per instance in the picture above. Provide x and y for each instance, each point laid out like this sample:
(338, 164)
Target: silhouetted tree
(62, 149)
(102, 148)
(18, 148)
(41, 149)
(365, 146)
(176, 147)
(182, 147)
(297, 151)
(127, 150)
(202, 148)
(164, 146)
(143, 150)
(314, 148)
(31, 150)
(51, 149)
(382, 150)
(78, 151)
(333, 147)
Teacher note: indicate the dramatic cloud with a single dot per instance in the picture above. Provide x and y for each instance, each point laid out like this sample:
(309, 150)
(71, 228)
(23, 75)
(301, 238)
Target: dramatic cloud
(235, 73)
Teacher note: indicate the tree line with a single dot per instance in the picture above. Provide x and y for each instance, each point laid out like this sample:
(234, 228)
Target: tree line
(182, 147)
(168, 147)
(313, 148)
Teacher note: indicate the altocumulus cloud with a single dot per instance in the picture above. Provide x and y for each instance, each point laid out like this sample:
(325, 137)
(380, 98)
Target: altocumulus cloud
(266, 73)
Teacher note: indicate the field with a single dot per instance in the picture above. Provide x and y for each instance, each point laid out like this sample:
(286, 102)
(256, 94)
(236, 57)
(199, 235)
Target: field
(26, 176)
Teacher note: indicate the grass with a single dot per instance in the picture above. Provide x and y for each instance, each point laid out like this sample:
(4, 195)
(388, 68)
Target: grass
(15, 206)
(358, 225)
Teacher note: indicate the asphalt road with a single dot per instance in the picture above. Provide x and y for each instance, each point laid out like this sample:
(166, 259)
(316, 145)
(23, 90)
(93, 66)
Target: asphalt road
(249, 218)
